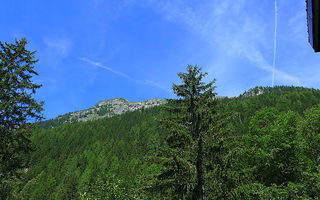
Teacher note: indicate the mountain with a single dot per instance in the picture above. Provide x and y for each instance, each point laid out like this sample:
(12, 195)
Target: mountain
(253, 92)
(102, 109)
(276, 131)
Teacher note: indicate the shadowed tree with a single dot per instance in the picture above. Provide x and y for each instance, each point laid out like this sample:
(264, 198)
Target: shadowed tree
(190, 117)
(17, 109)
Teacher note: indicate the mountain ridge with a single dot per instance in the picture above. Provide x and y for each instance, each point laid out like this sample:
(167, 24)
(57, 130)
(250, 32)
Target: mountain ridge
(76, 155)
(116, 106)
(102, 109)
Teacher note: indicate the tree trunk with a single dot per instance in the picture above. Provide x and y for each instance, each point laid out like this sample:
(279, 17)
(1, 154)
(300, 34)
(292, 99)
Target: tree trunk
(199, 190)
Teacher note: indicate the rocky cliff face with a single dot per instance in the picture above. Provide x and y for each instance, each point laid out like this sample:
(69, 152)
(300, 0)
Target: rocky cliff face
(109, 108)
(253, 92)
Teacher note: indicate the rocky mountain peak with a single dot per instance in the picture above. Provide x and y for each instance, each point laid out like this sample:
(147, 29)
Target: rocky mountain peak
(111, 101)
(108, 108)
(253, 92)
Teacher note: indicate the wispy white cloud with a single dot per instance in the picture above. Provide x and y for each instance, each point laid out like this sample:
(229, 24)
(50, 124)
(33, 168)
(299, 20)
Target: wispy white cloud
(61, 46)
(229, 28)
(298, 27)
(93, 78)
(152, 83)
(49, 86)
(145, 82)
(275, 40)
(256, 57)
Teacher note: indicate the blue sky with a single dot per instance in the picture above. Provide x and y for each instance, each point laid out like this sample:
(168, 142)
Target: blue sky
(101, 49)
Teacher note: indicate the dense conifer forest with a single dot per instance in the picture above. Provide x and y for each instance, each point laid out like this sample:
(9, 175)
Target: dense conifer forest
(263, 147)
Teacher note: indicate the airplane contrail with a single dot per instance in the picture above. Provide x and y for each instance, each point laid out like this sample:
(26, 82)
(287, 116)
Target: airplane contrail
(107, 68)
(275, 40)
(145, 82)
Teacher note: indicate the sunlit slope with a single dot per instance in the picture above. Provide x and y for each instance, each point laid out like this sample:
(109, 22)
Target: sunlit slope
(71, 156)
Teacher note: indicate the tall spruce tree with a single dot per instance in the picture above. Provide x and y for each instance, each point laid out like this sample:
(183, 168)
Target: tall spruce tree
(189, 121)
(17, 109)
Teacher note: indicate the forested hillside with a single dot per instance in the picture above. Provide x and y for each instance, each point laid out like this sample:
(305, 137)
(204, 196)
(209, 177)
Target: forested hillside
(68, 158)
(102, 109)
(263, 146)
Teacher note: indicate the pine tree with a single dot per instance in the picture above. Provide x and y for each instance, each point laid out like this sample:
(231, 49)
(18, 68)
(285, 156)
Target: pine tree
(17, 108)
(190, 117)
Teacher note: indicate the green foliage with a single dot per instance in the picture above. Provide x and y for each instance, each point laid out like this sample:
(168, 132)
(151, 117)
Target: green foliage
(188, 122)
(271, 147)
(17, 109)
(220, 150)
(272, 158)
(256, 147)
(71, 157)
(264, 144)
(106, 187)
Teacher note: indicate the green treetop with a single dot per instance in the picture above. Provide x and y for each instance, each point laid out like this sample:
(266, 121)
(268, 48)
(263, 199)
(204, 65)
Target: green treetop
(17, 106)
(190, 118)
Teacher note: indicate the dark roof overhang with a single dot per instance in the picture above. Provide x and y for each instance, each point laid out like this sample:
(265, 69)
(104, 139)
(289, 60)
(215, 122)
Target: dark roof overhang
(313, 17)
